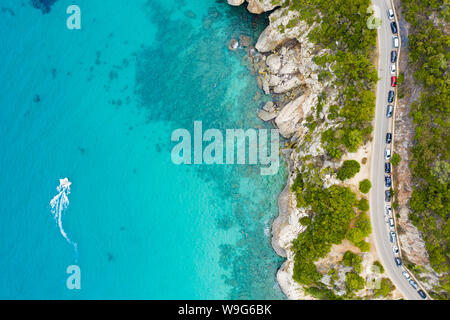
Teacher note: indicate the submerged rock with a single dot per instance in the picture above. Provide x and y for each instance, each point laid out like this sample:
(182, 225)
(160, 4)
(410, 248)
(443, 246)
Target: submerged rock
(245, 40)
(233, 44)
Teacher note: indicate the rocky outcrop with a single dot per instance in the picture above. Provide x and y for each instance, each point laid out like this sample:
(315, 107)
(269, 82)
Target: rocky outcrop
(268, 112)
(288, 119)
(260, 6)
(256, 6)
(235, 2)
(284, 25)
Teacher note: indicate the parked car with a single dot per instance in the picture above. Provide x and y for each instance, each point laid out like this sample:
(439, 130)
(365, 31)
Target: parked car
(388, 211)
(391, 224)
(422, 294)
(398, 261)
(393, 236)
(395, 42)
(394, 27)
(387, 196)
(395, 249)
(387, 153)
(391, 96)
(393, 56)
(389, 111)
(393, 68)
(387, 167)
(387, 181)
(406, 275)
(390, 14)
(413, 284)
(388, 137)
(393, 81)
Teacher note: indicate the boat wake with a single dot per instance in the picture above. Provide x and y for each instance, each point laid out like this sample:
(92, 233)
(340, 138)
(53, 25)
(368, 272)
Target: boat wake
(59, 204)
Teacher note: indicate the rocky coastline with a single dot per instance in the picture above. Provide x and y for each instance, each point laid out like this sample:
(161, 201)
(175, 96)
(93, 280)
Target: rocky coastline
(283, 61)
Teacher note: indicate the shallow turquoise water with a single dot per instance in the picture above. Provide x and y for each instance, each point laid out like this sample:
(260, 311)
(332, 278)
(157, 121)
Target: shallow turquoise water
(98, 106)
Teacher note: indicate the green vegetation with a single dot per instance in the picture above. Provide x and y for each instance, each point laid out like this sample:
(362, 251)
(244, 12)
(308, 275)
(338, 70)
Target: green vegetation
(395, 159)
(428, 56)
(333, 212)
(341, 28)
(363, 205)
(365, 185)
(378, 267)
(305, 221)
(352, 260)
(353, 282)
(386, 287)
(348, 170)
(360, 231)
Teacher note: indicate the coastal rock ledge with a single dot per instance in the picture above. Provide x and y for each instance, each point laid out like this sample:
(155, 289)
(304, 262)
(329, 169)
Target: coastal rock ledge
(255, 6)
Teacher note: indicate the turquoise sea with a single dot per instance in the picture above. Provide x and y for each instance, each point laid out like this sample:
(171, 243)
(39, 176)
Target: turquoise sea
(98, 106)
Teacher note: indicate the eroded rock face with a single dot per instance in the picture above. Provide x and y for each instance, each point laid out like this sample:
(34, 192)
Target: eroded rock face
(289, 117)
(235, 2)
(277, 32)
(260, 6)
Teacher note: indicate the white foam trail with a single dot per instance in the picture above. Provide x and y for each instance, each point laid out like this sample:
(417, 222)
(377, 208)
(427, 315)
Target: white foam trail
(59, 204)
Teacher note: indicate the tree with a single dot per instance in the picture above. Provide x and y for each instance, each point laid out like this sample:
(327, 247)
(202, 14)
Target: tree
(365, 185)
(353, 282)
(363, 205)
(351, 259)
(348, 170)
(386, 287)
(378, 267)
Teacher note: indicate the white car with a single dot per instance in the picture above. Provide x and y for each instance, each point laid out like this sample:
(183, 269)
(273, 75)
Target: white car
(406, 275)
(389, 211)
(395, 42)
(395, 249)
(393, 69)
(387, 154)
(390, 14)
(392, 236)
(391, 224)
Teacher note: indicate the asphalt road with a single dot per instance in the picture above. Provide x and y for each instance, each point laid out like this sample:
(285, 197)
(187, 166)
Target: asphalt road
(382, 126)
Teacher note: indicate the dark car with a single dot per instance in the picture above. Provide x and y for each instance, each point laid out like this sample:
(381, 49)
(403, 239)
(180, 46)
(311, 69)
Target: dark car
(394, 27)
(413, 284)
(398, 261)
(389, 111)
(387, 167)
(391, 96)
(388, 137)
(387, 181)
(422, 294)
(387, 196)
(393, 56)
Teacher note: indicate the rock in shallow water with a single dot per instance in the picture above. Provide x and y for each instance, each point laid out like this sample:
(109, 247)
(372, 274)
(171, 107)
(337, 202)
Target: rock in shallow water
(233, 45)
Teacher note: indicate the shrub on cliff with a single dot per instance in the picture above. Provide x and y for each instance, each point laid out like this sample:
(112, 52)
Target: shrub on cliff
(395, 159)
(348, 170)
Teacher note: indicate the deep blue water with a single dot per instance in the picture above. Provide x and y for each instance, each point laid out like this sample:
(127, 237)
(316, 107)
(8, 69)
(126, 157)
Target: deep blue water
(98, 105)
